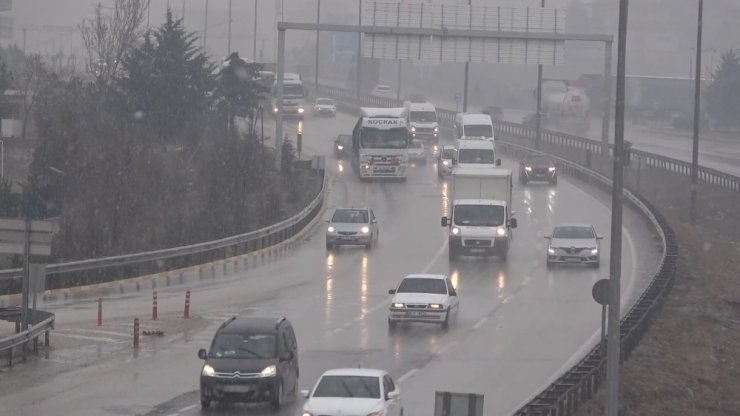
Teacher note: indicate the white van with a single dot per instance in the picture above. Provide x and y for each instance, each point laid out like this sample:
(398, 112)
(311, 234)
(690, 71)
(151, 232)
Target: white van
(476, 153)
(422, 120)
(473, 126)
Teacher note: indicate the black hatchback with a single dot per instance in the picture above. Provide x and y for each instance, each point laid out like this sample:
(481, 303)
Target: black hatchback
(250, 360)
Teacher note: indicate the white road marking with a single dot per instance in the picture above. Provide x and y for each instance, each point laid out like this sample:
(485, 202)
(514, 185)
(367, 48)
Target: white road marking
(479, 323)
(96, 339)
(436, 256)
(526, 280)
(173, 414)
(186, 408)
(508, 298)
(96, 331)
(446, 347)
(407, 375)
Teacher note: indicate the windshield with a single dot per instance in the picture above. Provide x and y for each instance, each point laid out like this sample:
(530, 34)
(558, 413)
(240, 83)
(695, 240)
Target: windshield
(372, 138)
(423, 116)
(350, 216)
(479, 215)
(348, 386)
(244, 345)
(573, 232)
(475, 156)
(448, 153)
(420, 285)
(291, 90)
(478, 130)
(538, 160)
(416, 145)
(324, 101)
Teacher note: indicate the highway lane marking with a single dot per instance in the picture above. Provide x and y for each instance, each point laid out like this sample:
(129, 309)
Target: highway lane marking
(95, 331)
(479, 323)
(187, 408)
(436, 257)
(407, 375)
(97, 339)
(447, 347)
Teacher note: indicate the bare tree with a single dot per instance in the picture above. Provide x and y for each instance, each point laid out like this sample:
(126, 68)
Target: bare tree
(107, 37)
(34, 74)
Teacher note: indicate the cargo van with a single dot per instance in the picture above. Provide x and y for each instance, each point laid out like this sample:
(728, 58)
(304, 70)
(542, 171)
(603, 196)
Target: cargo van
(473, 126)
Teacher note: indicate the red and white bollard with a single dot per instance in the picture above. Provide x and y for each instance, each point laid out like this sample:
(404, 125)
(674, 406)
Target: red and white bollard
(154, 305)
(136, 332)
(100, 311)
(186, 314)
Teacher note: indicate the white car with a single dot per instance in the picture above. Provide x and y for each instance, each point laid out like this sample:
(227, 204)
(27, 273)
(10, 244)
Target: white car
(353, 391)
(574, 244)
(352, 226)
(416, 152)
(383, 91)
(445, 160)
(325, 107)
(423, 298)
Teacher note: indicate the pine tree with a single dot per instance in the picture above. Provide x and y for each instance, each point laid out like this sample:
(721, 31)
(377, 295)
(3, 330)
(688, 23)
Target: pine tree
(723, 94)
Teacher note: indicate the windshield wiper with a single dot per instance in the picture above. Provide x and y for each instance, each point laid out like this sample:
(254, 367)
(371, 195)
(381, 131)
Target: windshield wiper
(347, 389)
(251, 352)
(370, 393)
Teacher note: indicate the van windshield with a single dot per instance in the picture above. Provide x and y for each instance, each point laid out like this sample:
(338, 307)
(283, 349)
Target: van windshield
(479, 215)
(423, 116)
(475, 156)
(244, 345)
(478, 130)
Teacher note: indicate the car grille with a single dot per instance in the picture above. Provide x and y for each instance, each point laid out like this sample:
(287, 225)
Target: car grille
(236, 375)
(541, 171)
(424, 129)
(478, 243)
(572, 250)
(347, 232)
(417, 306)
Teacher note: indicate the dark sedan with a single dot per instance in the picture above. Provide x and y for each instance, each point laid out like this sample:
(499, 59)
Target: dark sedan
(537, 168)
(342, 145)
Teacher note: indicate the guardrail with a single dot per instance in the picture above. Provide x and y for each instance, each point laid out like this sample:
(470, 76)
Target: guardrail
(43, 323)
(105, 269)
(581, 382)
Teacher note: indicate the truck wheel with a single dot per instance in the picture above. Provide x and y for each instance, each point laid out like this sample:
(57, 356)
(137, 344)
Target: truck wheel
(329, 245)
(205, 402)
(554, 181)
(392, 325)
(452, 252)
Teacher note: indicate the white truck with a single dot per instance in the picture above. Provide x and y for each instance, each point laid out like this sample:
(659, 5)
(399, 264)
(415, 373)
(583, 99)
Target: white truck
(380, 143)
(481, 220)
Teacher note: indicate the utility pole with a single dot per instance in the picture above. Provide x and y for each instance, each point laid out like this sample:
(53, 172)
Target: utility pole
(538, 116)
(359, 55)
(183, 12)
(254, 36)
(318, 20)
(615, 255)
(697, 104)
(467, 63)
(279, 98)
(228, 46)
(205, 29)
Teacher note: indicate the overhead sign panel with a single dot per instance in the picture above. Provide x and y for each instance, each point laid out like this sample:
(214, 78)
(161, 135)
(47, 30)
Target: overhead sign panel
(435, 49)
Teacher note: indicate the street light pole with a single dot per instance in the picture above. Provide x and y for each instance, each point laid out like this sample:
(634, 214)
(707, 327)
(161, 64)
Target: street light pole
(615, 255)
(318, 20)
(228, 46)
(697, 104)
(254, 35)
(2, 159)
(467, 65)
(359, 55)
(205, 29)
(538, 120)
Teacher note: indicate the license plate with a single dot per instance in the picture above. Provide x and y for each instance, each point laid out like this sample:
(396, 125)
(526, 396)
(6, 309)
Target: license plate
(346, 238)
(417, 313)
(237, 388)
(477, 250)
(573, 259)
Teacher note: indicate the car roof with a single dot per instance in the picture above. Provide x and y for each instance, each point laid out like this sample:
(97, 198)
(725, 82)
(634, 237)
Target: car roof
(352, 208)
(251, 323)
(382, 86)
(324, 98)
(370, 372)
(417, 106)
(475, 118)
(425, 276)
(574, 225)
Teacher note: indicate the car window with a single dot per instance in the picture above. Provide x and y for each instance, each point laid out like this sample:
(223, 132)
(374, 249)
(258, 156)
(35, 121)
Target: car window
(324, 101)
(573, 232)
(540, 160)
(450, 286)
(348, 386)
(447, 153)
(422, 285)
(350, 216)
(244, 345)
(478, 130)
(475, 156)
(388, 384)
(372, 215)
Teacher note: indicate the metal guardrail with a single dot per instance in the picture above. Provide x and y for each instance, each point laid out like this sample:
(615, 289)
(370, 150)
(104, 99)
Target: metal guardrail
(582, 381)
(44, 322)
(116, 267)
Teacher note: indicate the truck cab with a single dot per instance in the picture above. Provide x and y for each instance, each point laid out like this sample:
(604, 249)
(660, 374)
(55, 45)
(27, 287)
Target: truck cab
(294, 97)
(481, 221)
(473, 126)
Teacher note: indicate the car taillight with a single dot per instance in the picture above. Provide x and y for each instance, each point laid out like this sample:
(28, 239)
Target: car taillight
(575, 98)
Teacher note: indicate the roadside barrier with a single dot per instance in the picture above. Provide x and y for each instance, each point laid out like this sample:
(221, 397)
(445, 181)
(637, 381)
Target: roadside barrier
(100, 311)
(43, 323)
(186, 313)
(154, 305)
(136, 333)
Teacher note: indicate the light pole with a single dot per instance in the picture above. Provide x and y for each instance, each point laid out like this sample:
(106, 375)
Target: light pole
(318, 20)
(697, 87)
(2, 159)
(615, 255)
(254, 35)
(538, 120)
(205, 29)
(228, 45)
(467, 64)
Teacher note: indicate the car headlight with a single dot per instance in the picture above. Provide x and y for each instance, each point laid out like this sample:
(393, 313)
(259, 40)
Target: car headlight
(208, 371)
(274, 110)
(331, 229)
(436, 129)
(300, 110)
(501, 231)
(445, 162)
(551, 168)
(340, 147)
(594, 251)
(413, 128)
(269, 371)
(399, 305)
(528, 168)
(306, 413)
(365, 229)
(435, 306)
(550, 250)
(455, 230)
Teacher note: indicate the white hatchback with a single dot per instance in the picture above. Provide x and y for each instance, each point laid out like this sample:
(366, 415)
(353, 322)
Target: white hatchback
(353, 391)
(423, 298)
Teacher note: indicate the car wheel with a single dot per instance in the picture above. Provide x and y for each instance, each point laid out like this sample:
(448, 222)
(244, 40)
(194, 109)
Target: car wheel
(329, 245)
(446, 322)
(392, 325)
(276, 401)
(205, 402)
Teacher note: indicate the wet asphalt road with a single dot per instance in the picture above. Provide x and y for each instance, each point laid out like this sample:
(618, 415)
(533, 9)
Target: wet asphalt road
(519, 324)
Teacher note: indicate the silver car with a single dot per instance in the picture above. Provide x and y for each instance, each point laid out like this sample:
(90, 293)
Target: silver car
(574, 244)
(445, 160)
(417, 152)
(355, 226)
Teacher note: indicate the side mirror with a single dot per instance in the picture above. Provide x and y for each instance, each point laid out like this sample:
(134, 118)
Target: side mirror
(444, 221)
(498, 162)
(391, 291)
(452, 292)
(512, 223)
(202, 354)
(374, 221)
(599, 237)
(304, 393)
(393, 395)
